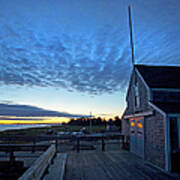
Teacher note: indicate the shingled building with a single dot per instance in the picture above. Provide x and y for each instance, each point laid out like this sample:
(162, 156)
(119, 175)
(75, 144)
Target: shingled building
(152, 116)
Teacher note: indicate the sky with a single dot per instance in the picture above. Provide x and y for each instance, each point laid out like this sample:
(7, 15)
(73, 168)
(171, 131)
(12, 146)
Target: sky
(74, 56)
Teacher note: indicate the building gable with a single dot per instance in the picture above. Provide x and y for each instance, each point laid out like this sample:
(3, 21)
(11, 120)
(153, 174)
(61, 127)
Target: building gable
(138, 93)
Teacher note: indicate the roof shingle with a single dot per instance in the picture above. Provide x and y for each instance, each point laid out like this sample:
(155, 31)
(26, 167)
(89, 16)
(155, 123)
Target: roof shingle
(160, 76)
(172, 108)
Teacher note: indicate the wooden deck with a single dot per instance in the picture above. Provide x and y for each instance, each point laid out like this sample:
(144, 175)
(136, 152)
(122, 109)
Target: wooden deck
(120, 165)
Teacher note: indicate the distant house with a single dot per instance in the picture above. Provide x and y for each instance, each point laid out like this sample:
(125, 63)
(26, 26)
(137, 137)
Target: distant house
(152, 116)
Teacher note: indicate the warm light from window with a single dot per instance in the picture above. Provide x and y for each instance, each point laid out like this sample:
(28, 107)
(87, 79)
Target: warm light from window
(140, 125)
(132, 124)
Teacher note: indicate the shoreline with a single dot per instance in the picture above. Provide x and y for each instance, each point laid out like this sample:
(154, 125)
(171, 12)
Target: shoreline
(30, 131)
(43, 129)
(4, 128)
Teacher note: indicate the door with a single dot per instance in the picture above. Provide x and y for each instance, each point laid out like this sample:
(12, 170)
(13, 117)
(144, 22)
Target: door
(175, 144)
(137, 136)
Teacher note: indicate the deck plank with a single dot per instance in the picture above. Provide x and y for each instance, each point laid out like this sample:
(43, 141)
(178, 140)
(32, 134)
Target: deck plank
(112, 165)
(137, 165)
(127, 167)
(83, 166)
(119, 169)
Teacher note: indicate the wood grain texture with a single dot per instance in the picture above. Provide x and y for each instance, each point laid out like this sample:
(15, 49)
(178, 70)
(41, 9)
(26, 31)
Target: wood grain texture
(57, 169)
(115, 165)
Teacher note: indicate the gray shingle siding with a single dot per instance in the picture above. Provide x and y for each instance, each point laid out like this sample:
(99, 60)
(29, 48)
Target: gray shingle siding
(154, 139)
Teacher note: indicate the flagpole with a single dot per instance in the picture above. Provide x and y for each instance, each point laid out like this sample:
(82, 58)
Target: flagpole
(131, 35)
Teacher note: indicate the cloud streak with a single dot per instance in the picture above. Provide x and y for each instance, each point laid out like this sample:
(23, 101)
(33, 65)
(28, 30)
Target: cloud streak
(20, 119)
(31, 111)
(89, 67)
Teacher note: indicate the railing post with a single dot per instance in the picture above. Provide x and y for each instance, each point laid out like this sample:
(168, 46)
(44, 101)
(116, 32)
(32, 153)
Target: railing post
(34, 145)
(12, 157)
(123, 142)
(78, 144)
(103, 144)
(56, 145)
(120, 141)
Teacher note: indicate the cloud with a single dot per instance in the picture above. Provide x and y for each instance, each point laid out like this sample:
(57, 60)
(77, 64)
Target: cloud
(74, 67)
(20, 119)
(33, 53)
(31, 111)
(6, 102)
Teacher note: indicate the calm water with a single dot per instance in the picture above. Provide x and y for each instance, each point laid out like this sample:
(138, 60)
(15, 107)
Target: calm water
(6, 127)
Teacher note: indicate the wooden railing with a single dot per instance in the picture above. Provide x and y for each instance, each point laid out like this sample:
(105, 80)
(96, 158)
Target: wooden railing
(56, 139)
(40, 143)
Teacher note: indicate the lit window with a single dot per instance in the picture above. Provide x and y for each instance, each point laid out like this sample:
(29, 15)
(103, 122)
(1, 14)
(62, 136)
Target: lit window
(132, 122)
(139, 125)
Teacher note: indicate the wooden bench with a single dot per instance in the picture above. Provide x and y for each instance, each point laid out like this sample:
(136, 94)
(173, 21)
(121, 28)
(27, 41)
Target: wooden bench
(57, 169)
(38, 168)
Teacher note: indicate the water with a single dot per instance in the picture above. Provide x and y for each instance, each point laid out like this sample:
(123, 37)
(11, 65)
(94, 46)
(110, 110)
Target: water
(7, 127)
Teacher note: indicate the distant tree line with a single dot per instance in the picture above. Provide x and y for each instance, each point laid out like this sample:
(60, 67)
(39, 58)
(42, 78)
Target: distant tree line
(95, 121)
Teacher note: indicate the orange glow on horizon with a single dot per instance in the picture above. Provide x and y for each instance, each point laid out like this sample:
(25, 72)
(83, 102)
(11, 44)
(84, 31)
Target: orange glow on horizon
(45, 120)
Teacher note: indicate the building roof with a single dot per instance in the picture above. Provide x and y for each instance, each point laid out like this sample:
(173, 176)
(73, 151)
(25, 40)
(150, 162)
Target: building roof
(170, 108)
(160, 76)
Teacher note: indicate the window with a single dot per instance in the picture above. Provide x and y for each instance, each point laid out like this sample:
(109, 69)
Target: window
(136, 126)
(136, 90)
(132, 123)
(140, 126)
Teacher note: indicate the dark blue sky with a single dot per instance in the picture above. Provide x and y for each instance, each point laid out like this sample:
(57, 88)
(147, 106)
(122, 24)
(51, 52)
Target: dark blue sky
(75, 48)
